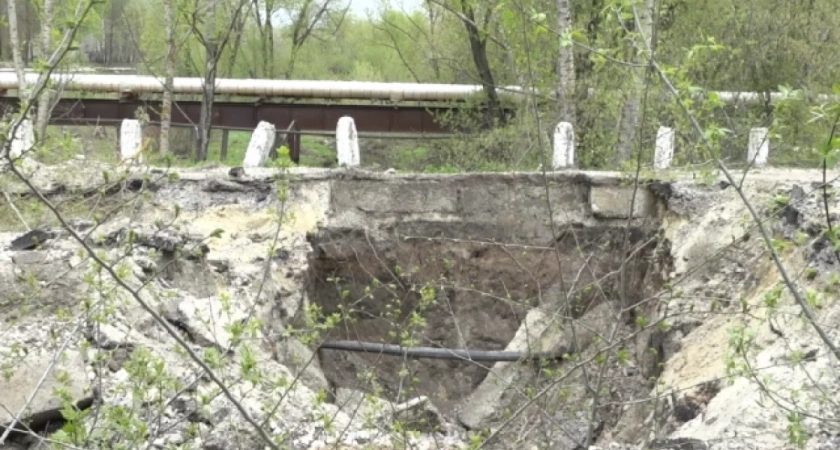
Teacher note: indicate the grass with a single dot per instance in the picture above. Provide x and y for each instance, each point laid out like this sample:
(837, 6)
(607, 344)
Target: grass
(36, 215)
(64, 143)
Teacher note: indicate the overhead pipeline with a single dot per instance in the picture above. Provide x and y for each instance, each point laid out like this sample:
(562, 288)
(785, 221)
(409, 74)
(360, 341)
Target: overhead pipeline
(313, 89)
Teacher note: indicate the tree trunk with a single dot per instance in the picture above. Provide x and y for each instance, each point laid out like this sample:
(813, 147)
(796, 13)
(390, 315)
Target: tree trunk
(14, 41)
(209, 87)
(478, 48)
(268, 43)
(171, 53)
(237, 44)
(45, 98)
(630, 114)
(565, 64)
(261, 30)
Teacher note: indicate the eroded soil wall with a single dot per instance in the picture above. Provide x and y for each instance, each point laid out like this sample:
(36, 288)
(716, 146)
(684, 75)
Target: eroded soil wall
(457, 262)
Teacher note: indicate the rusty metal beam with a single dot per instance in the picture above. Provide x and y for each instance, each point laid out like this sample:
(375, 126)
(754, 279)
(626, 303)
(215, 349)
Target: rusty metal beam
(307, 117)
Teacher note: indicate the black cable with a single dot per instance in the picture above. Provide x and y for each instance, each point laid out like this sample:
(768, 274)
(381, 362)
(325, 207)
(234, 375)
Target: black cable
(443, 353)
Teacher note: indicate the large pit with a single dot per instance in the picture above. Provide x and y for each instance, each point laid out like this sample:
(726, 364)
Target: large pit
(487, 247)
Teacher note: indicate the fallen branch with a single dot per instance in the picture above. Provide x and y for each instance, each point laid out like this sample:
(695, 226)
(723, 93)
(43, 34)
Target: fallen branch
(17, 212)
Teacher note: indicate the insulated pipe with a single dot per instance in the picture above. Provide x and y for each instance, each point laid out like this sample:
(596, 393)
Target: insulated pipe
(313, 89)
(260, 87)
(443, 353)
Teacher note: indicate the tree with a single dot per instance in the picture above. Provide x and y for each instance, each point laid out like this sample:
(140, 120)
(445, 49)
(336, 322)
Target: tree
(304, 21)
(14, 40)
(44, 101)
(263, 17)
(565, 63)
(478, 32)
(213, 36)
(630, 115)
(171, 61)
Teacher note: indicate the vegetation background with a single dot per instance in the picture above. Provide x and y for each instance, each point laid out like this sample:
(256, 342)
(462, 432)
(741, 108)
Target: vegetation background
(589, 53)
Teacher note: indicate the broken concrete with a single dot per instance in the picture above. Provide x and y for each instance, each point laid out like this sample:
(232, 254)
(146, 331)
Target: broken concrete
(39, 384)
(613, 202)
(543, 330)
(209, 321)
(472, 256)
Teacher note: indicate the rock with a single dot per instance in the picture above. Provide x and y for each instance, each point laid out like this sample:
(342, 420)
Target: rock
(797, 194)
(167, 240)
(67, 374)
(146, 264)
(219, 265)
(39, 281)
(296, 411)
(208, 321)
(196, 278)
(232, 438)
(417, 414)
(545, 333)
(109, 336)
(118, 359)
(613, 202)
(30, 258)
(236, 172)
(363, 407)
(679, 444)
(302, 362)
(31, 240)
(224, 186)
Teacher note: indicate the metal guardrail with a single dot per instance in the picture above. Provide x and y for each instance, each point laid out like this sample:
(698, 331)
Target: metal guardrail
(246, 115)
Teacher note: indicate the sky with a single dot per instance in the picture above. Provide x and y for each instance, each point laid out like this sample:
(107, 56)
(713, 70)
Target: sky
(360, 7)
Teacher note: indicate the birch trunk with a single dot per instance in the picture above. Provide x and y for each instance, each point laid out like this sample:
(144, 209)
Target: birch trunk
(211, 49)
(630, 114)
(14, 40)
(44, 107)
(565, 64)
(166, 107)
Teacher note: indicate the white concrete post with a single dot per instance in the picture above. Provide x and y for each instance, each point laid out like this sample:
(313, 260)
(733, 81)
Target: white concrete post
(262, 141)
(564, 146)
(23, 139)
(347, 142)
(759, 147)
(131, 138)
(665, 143)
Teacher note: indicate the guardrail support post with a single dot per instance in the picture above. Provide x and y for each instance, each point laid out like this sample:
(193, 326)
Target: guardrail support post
(759, 147)
(294, 143)
(225, 140)
(564, 146)
(262, 141)
(347, 142)
(664, 153)
(23, 140)
(131, 138)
